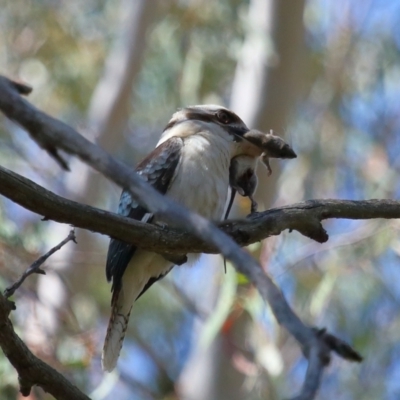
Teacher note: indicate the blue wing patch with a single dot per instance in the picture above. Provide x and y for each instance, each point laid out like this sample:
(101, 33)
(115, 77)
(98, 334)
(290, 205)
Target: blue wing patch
(126, 203)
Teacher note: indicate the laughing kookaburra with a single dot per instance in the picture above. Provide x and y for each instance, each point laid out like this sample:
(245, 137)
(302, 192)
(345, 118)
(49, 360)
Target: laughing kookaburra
(190, 164)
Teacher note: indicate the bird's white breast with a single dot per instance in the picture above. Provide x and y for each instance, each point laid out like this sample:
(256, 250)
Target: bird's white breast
(202, 176)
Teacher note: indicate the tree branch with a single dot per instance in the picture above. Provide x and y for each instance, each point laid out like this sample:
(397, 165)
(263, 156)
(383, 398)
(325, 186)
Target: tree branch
(34, 268)
(53, 135)
(31, 370)
(303, 217)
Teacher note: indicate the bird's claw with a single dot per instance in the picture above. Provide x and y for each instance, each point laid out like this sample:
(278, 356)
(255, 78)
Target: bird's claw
(254, 206)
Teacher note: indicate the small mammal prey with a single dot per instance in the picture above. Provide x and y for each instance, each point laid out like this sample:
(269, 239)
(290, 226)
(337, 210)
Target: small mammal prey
(242, 176)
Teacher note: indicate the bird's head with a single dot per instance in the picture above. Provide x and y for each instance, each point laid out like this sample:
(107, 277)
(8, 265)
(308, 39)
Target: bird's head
(215, 119)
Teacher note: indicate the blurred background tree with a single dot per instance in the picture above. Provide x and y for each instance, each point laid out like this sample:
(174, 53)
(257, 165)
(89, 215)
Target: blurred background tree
(323, 73)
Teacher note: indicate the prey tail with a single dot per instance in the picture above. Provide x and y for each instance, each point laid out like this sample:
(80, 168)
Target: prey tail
(228, 210)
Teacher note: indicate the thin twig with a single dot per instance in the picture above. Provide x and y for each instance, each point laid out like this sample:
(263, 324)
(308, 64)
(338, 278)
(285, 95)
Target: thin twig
(34, 268)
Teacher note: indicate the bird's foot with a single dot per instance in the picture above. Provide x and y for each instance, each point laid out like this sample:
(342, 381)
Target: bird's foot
(254, 205)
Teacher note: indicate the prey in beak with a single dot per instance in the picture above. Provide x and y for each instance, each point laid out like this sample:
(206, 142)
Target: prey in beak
(272, 146)
(242, 175)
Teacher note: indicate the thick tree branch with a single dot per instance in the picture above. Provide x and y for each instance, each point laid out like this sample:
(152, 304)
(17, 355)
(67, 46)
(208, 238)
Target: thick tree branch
(303, 217)
(31, 370)
(53, 135)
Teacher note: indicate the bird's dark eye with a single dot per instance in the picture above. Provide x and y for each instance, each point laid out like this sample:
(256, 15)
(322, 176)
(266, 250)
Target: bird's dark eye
(223, 117)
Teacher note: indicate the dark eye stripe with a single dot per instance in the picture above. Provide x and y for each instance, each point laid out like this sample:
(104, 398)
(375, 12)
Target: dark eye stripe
(231, 118)
(235, 126)
(170, 124)
(199, 116)
(193, 115)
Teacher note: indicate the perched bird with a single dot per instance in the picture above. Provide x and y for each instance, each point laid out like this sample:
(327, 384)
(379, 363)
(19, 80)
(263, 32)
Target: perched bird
(191, 165)
(242, 176)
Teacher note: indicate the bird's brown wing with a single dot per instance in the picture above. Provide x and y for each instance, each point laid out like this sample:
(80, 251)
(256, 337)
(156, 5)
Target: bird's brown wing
(158, 169)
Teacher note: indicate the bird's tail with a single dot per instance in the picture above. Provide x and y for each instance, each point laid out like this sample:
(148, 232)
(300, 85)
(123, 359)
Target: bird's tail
(148, 268)
(121, 310)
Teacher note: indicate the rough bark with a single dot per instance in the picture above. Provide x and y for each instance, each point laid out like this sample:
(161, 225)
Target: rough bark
(303, 217)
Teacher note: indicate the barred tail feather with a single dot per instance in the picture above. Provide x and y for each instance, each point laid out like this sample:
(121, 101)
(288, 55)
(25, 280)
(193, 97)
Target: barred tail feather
(116, 330)
(146, 268)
